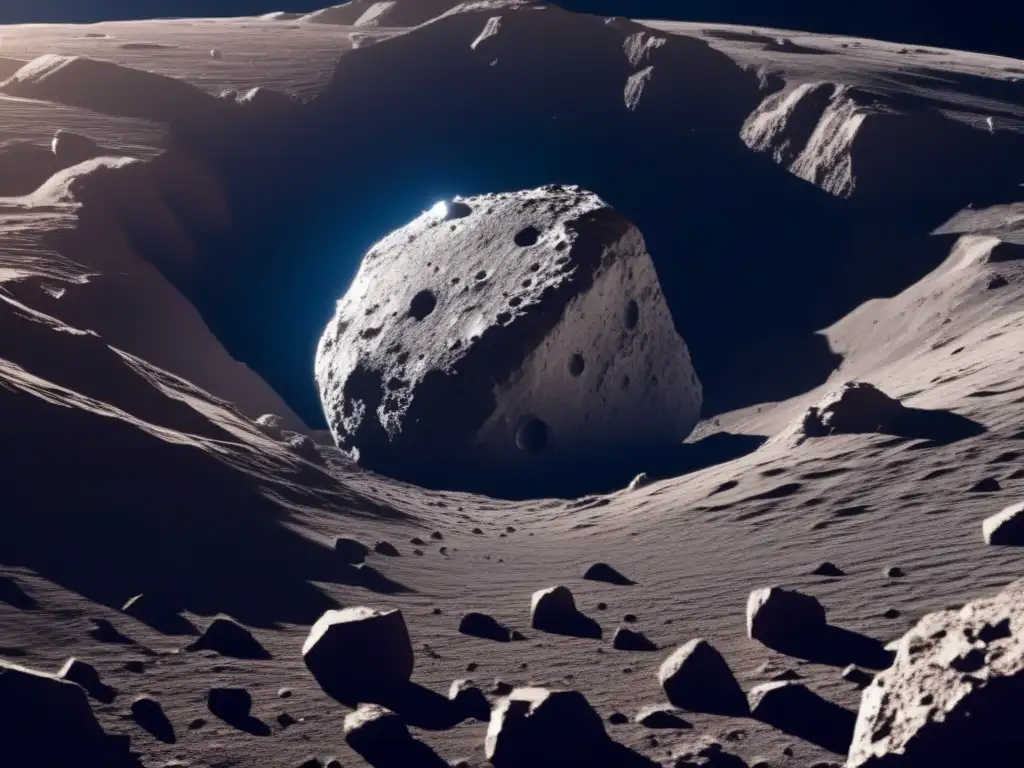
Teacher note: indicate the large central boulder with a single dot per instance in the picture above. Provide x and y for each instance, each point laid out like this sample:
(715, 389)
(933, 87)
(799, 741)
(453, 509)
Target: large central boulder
(515, 335)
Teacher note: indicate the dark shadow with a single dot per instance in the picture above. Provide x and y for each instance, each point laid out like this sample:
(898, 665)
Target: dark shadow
(105, 632)
(150, 716)
(366, 576)
(408, 753)
(799, 712)
(416, 705)
(487, 628)
(12, 594)
(160, 613)
(837, 647)
(621, 756)
(574, 625)
(243, 722)
(939, 427)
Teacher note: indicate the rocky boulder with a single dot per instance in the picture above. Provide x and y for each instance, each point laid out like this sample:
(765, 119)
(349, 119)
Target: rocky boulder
(515, 335)
(47, 721)
(783, 618)
(953, 695)
(227, 637)
(538, 726)
(358, 646)
(856, 407)
(1006, 527)
(697, 677)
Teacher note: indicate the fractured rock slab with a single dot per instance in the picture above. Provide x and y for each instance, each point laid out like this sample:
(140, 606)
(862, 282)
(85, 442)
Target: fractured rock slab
(516, 333)
(952, 696)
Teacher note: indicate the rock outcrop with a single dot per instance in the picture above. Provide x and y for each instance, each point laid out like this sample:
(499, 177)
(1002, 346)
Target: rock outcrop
(507, 337)
(952, 696)
(856, 407)
(357, 646)
(538, 726)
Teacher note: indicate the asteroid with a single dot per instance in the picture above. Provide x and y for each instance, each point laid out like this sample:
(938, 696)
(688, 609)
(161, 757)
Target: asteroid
(501, 304)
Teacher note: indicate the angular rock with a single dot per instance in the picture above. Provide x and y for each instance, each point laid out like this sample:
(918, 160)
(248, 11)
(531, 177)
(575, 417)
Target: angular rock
(953, 694)
(149, 715)
(474, 342)
(48, 721)
(704, 753)
(373, 730)
(1006, 527)
(350, 551)
(781, 618)
(538, 726)
(604, 572)
(85, 674)
(359, 646)
(228, 638)
(484, 626)
(626, 639)
(469, 700)
(229, 704)
(856, 407)
(659, 716)
(552, 608)
(828, 569)
(859, 677)
(696, 677)
(386, 548)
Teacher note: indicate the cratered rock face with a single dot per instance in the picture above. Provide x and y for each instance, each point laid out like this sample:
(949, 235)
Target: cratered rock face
(518, 335)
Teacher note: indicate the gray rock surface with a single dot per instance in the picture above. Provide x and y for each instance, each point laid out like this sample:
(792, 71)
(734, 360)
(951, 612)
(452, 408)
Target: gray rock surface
(516, 333)
(953, 695)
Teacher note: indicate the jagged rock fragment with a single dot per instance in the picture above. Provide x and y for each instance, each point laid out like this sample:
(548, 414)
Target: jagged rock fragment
(952, 696)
